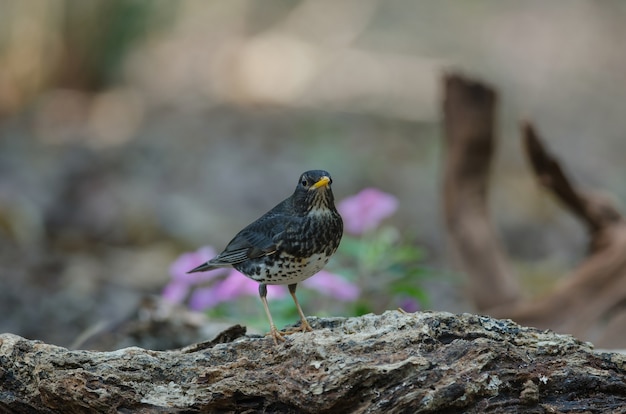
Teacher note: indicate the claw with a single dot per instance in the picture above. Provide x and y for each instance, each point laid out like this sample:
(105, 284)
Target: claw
(277, 336)
(304, 327)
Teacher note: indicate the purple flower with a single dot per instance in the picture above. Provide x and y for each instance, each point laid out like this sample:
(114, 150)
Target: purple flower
(175, 292)
(235, 285)
(365, 210)
(333, 285)
(232, 287)
(178, 289)
(203, 298)
(409, 304)
(187, 261)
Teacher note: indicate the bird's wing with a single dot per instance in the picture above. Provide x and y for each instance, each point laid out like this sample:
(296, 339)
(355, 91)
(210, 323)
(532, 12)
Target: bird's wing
(258, 239)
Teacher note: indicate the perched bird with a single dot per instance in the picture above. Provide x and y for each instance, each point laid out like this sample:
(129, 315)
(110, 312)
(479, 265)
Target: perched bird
(289, 243)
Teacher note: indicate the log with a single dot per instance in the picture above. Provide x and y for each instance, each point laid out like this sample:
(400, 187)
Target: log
(428, 362)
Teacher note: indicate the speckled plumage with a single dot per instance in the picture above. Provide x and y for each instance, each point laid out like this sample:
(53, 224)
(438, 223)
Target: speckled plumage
(289, 243)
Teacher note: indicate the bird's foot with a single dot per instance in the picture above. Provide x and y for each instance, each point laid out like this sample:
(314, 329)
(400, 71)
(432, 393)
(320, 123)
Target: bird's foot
(304, 327)
(277, 336)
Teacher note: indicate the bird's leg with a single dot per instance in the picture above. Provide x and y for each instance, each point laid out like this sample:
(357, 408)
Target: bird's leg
(273, 331)
(304, 324)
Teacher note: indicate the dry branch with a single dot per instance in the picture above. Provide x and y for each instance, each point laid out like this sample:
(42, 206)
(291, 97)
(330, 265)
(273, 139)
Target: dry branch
(469, 118)
(590, 303)
(395, 362)
(598, 212)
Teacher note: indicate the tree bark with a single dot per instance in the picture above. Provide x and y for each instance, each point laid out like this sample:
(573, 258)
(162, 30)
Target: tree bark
(394, 362)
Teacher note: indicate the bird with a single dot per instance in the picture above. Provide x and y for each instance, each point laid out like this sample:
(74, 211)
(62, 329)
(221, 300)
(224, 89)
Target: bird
(288, 244)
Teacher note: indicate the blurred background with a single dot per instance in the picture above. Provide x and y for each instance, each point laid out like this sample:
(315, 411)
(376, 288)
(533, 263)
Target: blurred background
(132, 131)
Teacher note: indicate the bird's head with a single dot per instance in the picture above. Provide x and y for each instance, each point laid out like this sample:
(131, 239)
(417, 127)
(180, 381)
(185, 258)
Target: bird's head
(314, 192)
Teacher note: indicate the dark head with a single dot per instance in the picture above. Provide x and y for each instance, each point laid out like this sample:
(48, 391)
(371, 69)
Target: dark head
(313, 191)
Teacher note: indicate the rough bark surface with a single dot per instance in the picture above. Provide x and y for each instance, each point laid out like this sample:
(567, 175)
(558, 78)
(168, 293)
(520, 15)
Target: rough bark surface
(394, 362)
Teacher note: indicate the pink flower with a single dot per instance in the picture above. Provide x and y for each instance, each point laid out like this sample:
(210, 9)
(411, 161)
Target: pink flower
(333, 285)
(187, 261)
(365, 210)
(235, 285)
(409, 304)
(204, 298)
(177, 290)
(232, 287)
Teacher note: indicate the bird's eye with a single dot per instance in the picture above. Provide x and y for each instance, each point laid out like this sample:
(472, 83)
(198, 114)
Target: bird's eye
(304, 182)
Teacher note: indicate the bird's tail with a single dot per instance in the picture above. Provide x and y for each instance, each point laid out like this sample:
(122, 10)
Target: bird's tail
(205, 267)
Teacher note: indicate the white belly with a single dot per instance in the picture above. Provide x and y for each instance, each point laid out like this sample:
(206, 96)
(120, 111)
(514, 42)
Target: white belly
(297, 271)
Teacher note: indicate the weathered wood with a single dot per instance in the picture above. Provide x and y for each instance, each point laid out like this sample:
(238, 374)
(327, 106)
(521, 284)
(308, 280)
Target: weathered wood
(395, 362)
(469, 120)
(598, 212)
(589, 302)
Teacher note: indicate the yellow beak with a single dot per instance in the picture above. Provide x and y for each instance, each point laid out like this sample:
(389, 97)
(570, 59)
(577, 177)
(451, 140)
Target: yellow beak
(324, 181)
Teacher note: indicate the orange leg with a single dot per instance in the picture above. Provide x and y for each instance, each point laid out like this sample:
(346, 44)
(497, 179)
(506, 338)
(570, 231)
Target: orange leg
(304, 324)
(273, 331)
